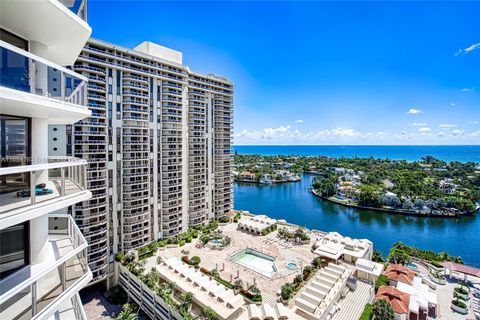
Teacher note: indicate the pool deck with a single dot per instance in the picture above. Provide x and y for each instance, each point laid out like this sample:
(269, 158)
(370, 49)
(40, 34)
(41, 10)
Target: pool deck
(300, 254)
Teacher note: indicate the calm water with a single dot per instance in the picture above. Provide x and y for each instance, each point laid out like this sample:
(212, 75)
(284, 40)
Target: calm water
(410, 153)
(295, 204)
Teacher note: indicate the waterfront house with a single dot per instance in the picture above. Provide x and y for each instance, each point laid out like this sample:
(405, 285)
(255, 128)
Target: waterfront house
(396, 298)
(398, 273)
(448, 186)
(247, 176)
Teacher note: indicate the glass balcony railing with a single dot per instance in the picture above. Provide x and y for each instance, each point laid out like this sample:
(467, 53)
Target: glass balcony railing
(24, 186)
(39, 291)
(23, 71)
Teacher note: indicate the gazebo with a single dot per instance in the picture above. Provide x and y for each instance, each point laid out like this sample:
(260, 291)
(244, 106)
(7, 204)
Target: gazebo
(461, 268)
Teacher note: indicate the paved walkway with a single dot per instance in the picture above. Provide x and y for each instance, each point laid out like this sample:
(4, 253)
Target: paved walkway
(351, 307)
(96, 306)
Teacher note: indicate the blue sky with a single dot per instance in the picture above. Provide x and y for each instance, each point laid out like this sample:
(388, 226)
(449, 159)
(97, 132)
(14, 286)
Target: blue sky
(324, 72)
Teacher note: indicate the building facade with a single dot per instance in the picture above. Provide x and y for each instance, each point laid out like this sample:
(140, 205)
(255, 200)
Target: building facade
(43, 254)
(158, 145)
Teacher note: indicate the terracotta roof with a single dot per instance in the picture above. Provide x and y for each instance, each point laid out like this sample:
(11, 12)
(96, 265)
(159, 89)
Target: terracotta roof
(462, 268)
(399, 273)
(247, 173)
(397, 299)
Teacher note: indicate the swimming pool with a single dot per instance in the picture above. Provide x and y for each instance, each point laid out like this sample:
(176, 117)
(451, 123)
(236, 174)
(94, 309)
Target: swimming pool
(256, 261)
(292, 266)
(412, 266)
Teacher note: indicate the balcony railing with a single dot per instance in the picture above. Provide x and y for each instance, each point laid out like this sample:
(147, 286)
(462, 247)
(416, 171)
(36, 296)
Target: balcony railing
(38, 291)
(25, 187)
(24, 71)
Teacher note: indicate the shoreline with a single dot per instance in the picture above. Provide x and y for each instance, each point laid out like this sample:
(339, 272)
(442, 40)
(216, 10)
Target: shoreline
(390, 211)
(259, 183)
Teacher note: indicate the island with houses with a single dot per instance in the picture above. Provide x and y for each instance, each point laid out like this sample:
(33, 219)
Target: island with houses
(429, 187)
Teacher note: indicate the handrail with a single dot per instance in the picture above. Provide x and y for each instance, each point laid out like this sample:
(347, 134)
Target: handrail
(43, 166)
(51, 266)
(27, 54)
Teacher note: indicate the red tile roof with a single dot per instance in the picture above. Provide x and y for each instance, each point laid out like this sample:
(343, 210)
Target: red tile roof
(397, 299)
(399, 273)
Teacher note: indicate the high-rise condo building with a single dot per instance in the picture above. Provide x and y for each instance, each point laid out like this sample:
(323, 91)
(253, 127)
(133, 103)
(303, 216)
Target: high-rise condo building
(43, 254)
(158, 144)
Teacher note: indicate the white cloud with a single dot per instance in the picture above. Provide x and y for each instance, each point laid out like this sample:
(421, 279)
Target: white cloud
(468, 89)
(424, 129)
(414, 111)
(457, 132)
(469, 49)
(447, 126)
(474, 122)
(419, 124)
(441, 134)
(452, 104)
(298, 121)
(475, 133)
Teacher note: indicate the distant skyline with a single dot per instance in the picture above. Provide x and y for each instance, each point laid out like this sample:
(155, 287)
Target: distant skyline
(324, 72)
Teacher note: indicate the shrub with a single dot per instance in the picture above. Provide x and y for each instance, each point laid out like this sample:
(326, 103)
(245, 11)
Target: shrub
(119, 256)
(459, 304)
(316, 262)
(367, 312)
(181, 243)
(208, 313)
(381, 281)
(195, 260)
(298, 279)
(382, 309)
(460, 290)
(286, 291)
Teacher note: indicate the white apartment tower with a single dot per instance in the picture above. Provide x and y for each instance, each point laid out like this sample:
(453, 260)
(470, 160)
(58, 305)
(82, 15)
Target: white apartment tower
(43, 254)
(159, 148)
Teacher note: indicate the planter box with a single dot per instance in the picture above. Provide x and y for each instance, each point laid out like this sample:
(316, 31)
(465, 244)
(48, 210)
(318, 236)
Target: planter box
(437, 280)
(461, 295)
(458, 309)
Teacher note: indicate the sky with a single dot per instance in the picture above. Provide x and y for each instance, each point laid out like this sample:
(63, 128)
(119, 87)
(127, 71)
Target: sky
(323, 73)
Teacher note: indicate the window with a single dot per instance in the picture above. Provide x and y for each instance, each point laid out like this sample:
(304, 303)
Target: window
(14, 151)
(14, 251)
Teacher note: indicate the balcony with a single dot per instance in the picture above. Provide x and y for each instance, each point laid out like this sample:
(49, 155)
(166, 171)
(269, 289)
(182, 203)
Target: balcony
(21, 199)
(61, 30)
(42, 290)
(31, 86)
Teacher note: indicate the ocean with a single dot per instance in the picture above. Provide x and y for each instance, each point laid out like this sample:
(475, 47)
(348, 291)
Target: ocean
(409, 153)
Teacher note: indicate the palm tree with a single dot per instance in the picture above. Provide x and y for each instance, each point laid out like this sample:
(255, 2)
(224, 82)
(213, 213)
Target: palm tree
(127, 313)
(238, 284)
(381, 309)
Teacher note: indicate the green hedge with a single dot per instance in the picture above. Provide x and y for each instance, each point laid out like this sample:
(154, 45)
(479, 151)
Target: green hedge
(367, 313)
(381, 281)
